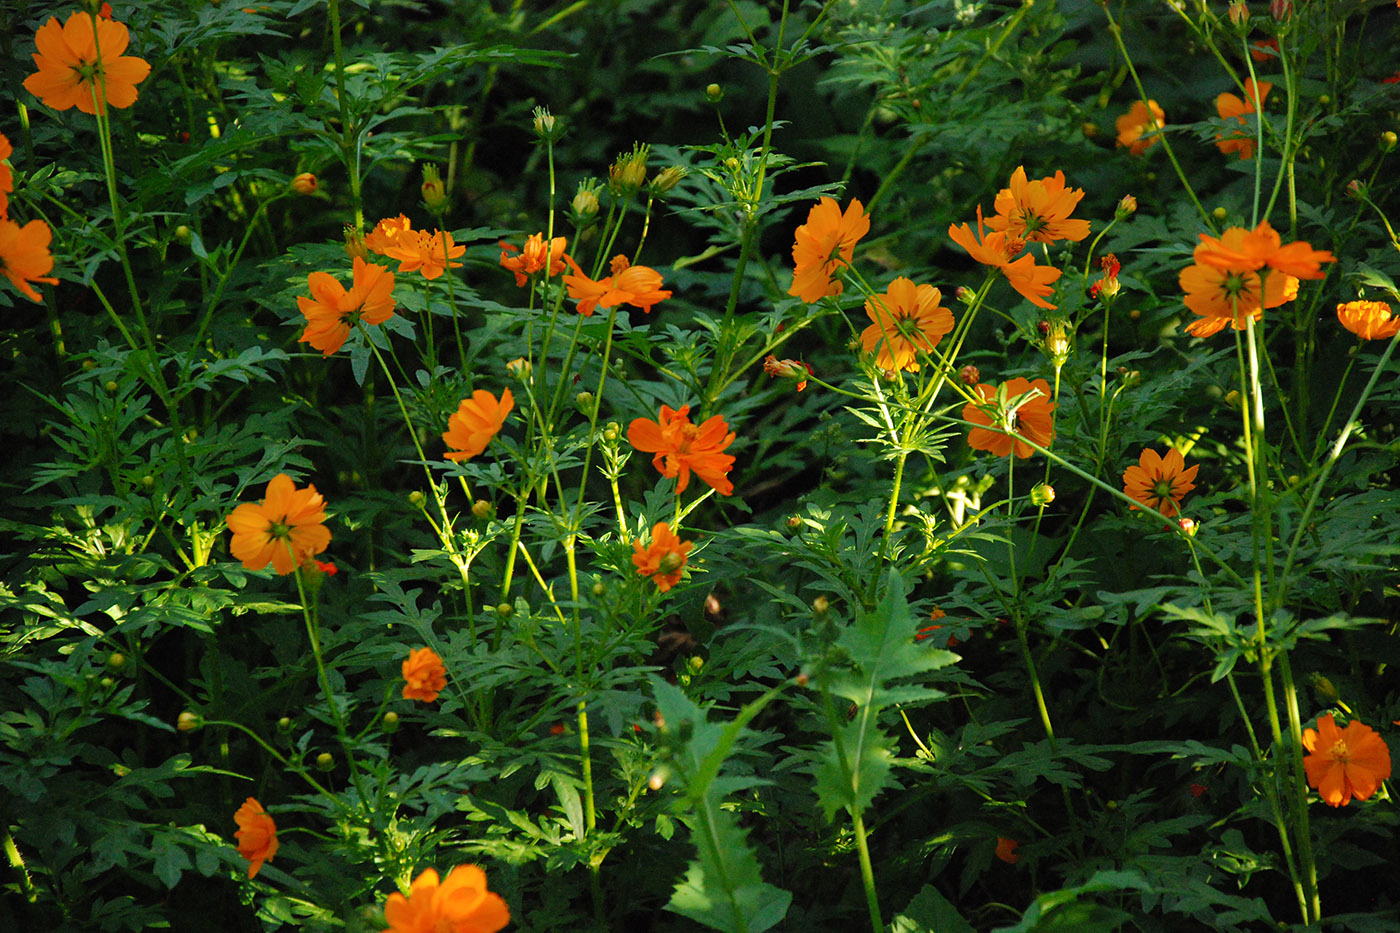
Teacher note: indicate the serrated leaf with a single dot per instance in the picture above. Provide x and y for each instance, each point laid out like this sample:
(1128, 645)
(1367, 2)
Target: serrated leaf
(722, 888)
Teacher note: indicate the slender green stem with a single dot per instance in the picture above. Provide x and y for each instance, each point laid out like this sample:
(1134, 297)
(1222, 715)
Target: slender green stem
(867, 872)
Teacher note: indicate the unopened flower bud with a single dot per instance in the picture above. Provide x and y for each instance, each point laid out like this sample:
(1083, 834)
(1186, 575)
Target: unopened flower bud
(1042, 494)
(116, 661)
(629, 172)
(305, 183)
(714, 93)
(964, 294)
(89, 365)
(1239, 15)
(390, 722)
(183, 233)
(434, 191)
(110, 385)
(672, 562)
(1090, 130)
(1135, 314)
(584, 403)
(284, 725)
(1356, 188)
(667, 179)
(969, 375)
(106, 683)
(1387, 141)
(355, 243)
(1043, 327)
(1220, 213)
(520, 368)
(482, 510)
(801, 679)
(612, 431)
(599, 588)
(1281, 10)
(583, 210)
(794, 522)
(148, 481)
(1324, 688)
(417, 499)
(325, 762)
(820, 605)
(1232, 398)
(546, 126)
(188, 721)
(1126, 205)
(505, 610)
(1187, 525)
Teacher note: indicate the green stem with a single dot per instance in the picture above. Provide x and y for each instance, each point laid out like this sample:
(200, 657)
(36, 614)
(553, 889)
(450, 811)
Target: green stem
(867, 872)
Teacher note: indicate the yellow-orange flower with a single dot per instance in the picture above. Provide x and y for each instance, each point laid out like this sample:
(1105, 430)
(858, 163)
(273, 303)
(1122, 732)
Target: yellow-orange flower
(285, 529)
(1231, 107)
(681, 447)
(1160, 482)
(1139, 122)
(24, 255)
(1249, 250)
(639, 286)
(70, 73)
(331, 311)
(1344, 763)
(460, 904)
(427, 251)
(1230, 297)
(535, 257)
(387, 233)
(1000, 249)
(256, 835)
(1038, 211)
(824, 244)
(664, 559)
(1369, 320)
(424, 675)
(7, 180)
(1019, 407)
(908, 321)
(475, 422)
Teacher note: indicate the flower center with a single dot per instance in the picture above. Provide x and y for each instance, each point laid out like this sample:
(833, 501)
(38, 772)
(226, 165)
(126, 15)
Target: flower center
(1340, 752)
(280, 530)
(1162, 488)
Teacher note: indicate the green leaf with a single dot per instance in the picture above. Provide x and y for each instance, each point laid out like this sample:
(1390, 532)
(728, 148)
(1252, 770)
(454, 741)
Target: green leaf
(930, 912)
(722, 888)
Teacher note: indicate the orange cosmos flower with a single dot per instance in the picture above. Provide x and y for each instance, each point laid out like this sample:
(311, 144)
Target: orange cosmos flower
(1160, 482)
(1038, 211)
(824, 244)
(1250, 250)
(427, 251)
(998, 249)
(1369, 320)
(77, 65)
(24, 255)
(664, 560)
(1012, 416)
(1006, 850)
(475, 422)
(424, 675)
(1344, 763)
(256, 835)
(908, 321)
(285, 529)
(7, 180)
(534, 258)
(460, 904)
(1140, 120)
(681, 447)
(387, 233)
(639, 286)
(1231, 107)
(1230, 297)
(331, 311)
